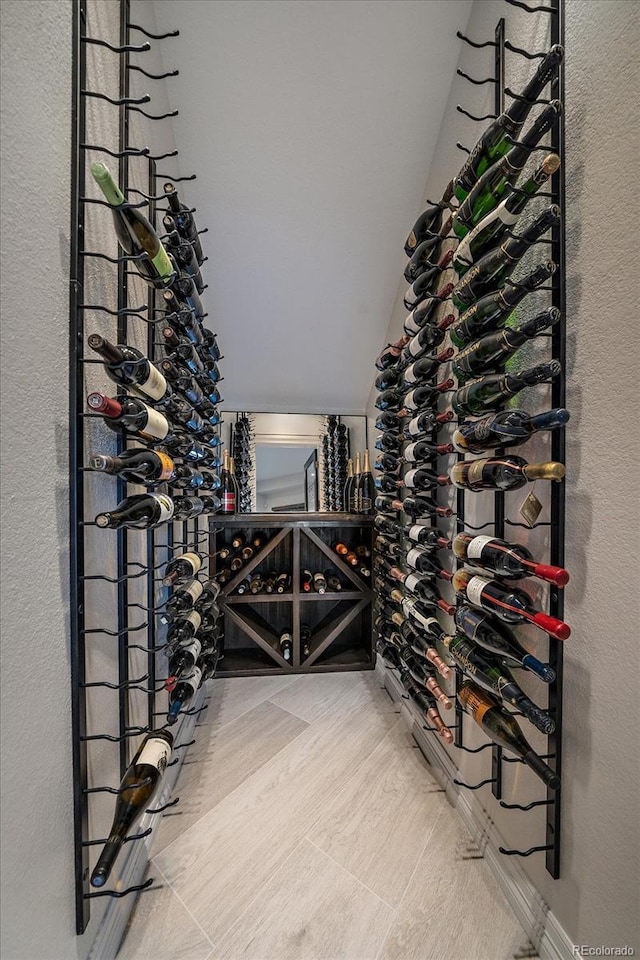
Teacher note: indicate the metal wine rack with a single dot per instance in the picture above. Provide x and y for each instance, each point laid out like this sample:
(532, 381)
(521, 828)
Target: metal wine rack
(496, 524)
(128, 703)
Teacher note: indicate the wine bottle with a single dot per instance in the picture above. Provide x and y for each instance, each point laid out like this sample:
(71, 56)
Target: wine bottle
(426, 422)
(389, 378)
(389, 547)
(208, 663)
(365, 488)
(507, 428)
(227, 487)
(257, 584)
(510, 560)
(507, 602)
(502, 473)
(495, 142)
(183, 253)
(286, 645)
(421, 506)
(426, 536)
(427, 339)
(181, 662)
(422, 369)
(319, 583)
(388, 504)
(496, 266)
(389, 400)
(306, 581)
(495, 225)
(492, 351)
(389, 652)
(389, 443)
(494, 182)
(421, 259)
(422, 699)
(424, 450)
(282, 582)
(501, 727)
(426, 220)
(132, 416)
(210, 346)
(495, 309)
(184, 508)
(492, 390)
(182, 351)
(424, 562)
(391, 354)
(185, 384)
(182, 318)
(418, 585)
(334, 584)
(141, 512)
(135, 793)
(422, 643)
(207, 599)
(130, 368)
(387, 421)
(186, 478)
(135, 234)
(427, 393)
(422, 287)
(419, 609)
(421, 313)
(354, 505)
(182, 694)
(388, 483)
(183, 630)
(183, 220)
(496, 678)
(243, 586)
(419, 670)
(182, 568)
(183, 600)
(495, 637)
(420, 478)
(136, 466)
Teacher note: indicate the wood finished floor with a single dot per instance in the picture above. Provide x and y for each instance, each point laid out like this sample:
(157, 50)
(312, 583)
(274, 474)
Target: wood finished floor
(310, 828)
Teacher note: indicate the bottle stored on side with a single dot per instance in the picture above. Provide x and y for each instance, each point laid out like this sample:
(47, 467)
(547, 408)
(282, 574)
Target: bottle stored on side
(496, 637)
(136, 466)
(490, 391)
(510, 560)
(502, 473)
(506, 602)
(142, 512)
(506, 428)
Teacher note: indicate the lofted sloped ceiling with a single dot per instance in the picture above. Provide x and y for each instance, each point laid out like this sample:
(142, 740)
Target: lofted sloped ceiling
(310, 125)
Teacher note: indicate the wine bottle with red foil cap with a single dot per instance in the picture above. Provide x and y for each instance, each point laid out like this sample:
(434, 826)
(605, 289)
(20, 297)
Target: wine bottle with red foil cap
(136, 466)
(423, 286)
(425, 394)
(510, 560)
(130, 368)
(495, 309)
(491, 352)
(182, 662)
(498, 639)
(183, 219)
(132, 416)
(492, 270)
(425, 563)
(496, 678)
(492, 229)
(503, 473)
(426, 422)
(421, 314)
(182, 693)
(426, 703)
(495, 142)
(420, 610)
(502, 728)
(135, 793)
(424, 368)
(428, 537)
(421, 506)
(423, 674)
(135, 234)
(391, 354)
(417, 584)
(420, 479)
(506, 428)
(426, 223)
(422, 450)
(424, 342)
(140, 512)
(182, 568)
(506, 602)
(492, 186)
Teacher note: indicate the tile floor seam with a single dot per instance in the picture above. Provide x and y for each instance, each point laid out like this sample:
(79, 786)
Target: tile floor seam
(181, 901)
(290, 712)
(245, 712)
(353, 877)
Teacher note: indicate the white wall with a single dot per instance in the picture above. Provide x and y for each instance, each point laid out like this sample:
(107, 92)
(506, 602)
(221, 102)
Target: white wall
(595, 899)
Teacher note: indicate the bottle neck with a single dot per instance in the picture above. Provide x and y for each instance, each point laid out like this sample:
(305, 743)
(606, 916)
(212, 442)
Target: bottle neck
(112, 193)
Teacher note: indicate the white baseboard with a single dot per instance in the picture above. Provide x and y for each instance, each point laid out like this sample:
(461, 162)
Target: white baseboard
(540, 926)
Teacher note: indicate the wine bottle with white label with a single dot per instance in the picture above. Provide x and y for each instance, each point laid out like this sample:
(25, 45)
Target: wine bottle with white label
(496, 678)
(506, 428)
(136, 466)
(423, 286)
(492, 351)
(429, 537)
(421, 506)
(502, 473)
(506, 602)
(183, 631)
(181, 568)
(421, 478)
(140, 512)
(183, 220)
(510, 560)
(135, 234)
(425, 450)
(427, 338)
(425, 394)
(492, 228)
(420, 610)
(422, 369)
(182, 694)
(502, 727)
(421, 314)
(491, 391)
(130, 368)
(132, 416)
(496, 637)
(426, 564)
(425, 423)
(417, 584)
(135, 793)
(181, 662)
(183, 600)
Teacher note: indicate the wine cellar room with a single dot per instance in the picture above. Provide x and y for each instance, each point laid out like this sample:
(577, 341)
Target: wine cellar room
(315, 644)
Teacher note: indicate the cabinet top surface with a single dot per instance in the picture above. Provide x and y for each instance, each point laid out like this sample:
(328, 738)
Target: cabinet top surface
(292, 520)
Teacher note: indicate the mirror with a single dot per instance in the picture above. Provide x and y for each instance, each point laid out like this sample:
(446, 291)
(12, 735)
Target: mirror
(286, 458)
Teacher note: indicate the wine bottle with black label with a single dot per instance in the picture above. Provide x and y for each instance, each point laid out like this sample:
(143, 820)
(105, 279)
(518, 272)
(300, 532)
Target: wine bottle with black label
(506, 428)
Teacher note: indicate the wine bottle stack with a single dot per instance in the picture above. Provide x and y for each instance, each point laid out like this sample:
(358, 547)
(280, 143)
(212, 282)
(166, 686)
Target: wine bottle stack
(467, 348)
(335, 455)
(242, 449)
(357, 556)
(240, 550)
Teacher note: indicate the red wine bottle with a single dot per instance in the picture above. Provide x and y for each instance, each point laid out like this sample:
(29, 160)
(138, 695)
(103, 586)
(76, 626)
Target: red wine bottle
(391, 354)
(423, 286)
(182, 694)
(421, 314)
(510, 560)
(495, 637)
(425, 423)
(424, 394)
(421, 506)
(183, 220)
(421, 478)
(422, 228)
(183, 600)
(508, 603)
(132, 416)
(427, 339)
(182, 318)
(429, 537)
(182, 568)
(422, 369)
(422, 450)
(130, 368)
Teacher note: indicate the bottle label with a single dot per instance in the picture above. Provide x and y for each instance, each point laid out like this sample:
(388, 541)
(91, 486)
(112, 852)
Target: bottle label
(415, 349)
(414, 555)
(156, 753)
(474, 705)
(410, 325)
(414, 427)
(411, 582)
(166, 506)
(194, 589)
(155, 386)
(156, 427)
(409, 453)
(229, 502)
(409, 478)
(476, 546)
(194, 647)
(409, 401)
(194, 679)
(414, 532)
(195, 619)
(167, 466)
(475, 471)
(475, 588)
(193, 559)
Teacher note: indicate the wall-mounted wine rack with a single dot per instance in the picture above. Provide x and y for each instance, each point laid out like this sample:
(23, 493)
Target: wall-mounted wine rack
(132, 573)
(496, 524)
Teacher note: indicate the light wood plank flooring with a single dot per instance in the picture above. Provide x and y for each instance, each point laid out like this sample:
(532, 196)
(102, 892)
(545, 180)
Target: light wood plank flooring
(309, 828)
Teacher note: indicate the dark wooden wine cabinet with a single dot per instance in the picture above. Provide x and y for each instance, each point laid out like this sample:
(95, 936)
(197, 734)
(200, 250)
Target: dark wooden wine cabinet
(340, 622)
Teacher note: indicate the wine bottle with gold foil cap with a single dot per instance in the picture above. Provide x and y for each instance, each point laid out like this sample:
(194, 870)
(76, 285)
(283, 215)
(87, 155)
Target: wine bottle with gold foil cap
(502, 727)
(502, 473)
(506, 602)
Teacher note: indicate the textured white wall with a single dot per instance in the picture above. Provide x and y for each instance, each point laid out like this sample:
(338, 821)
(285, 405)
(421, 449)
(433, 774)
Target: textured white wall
(595, 898)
